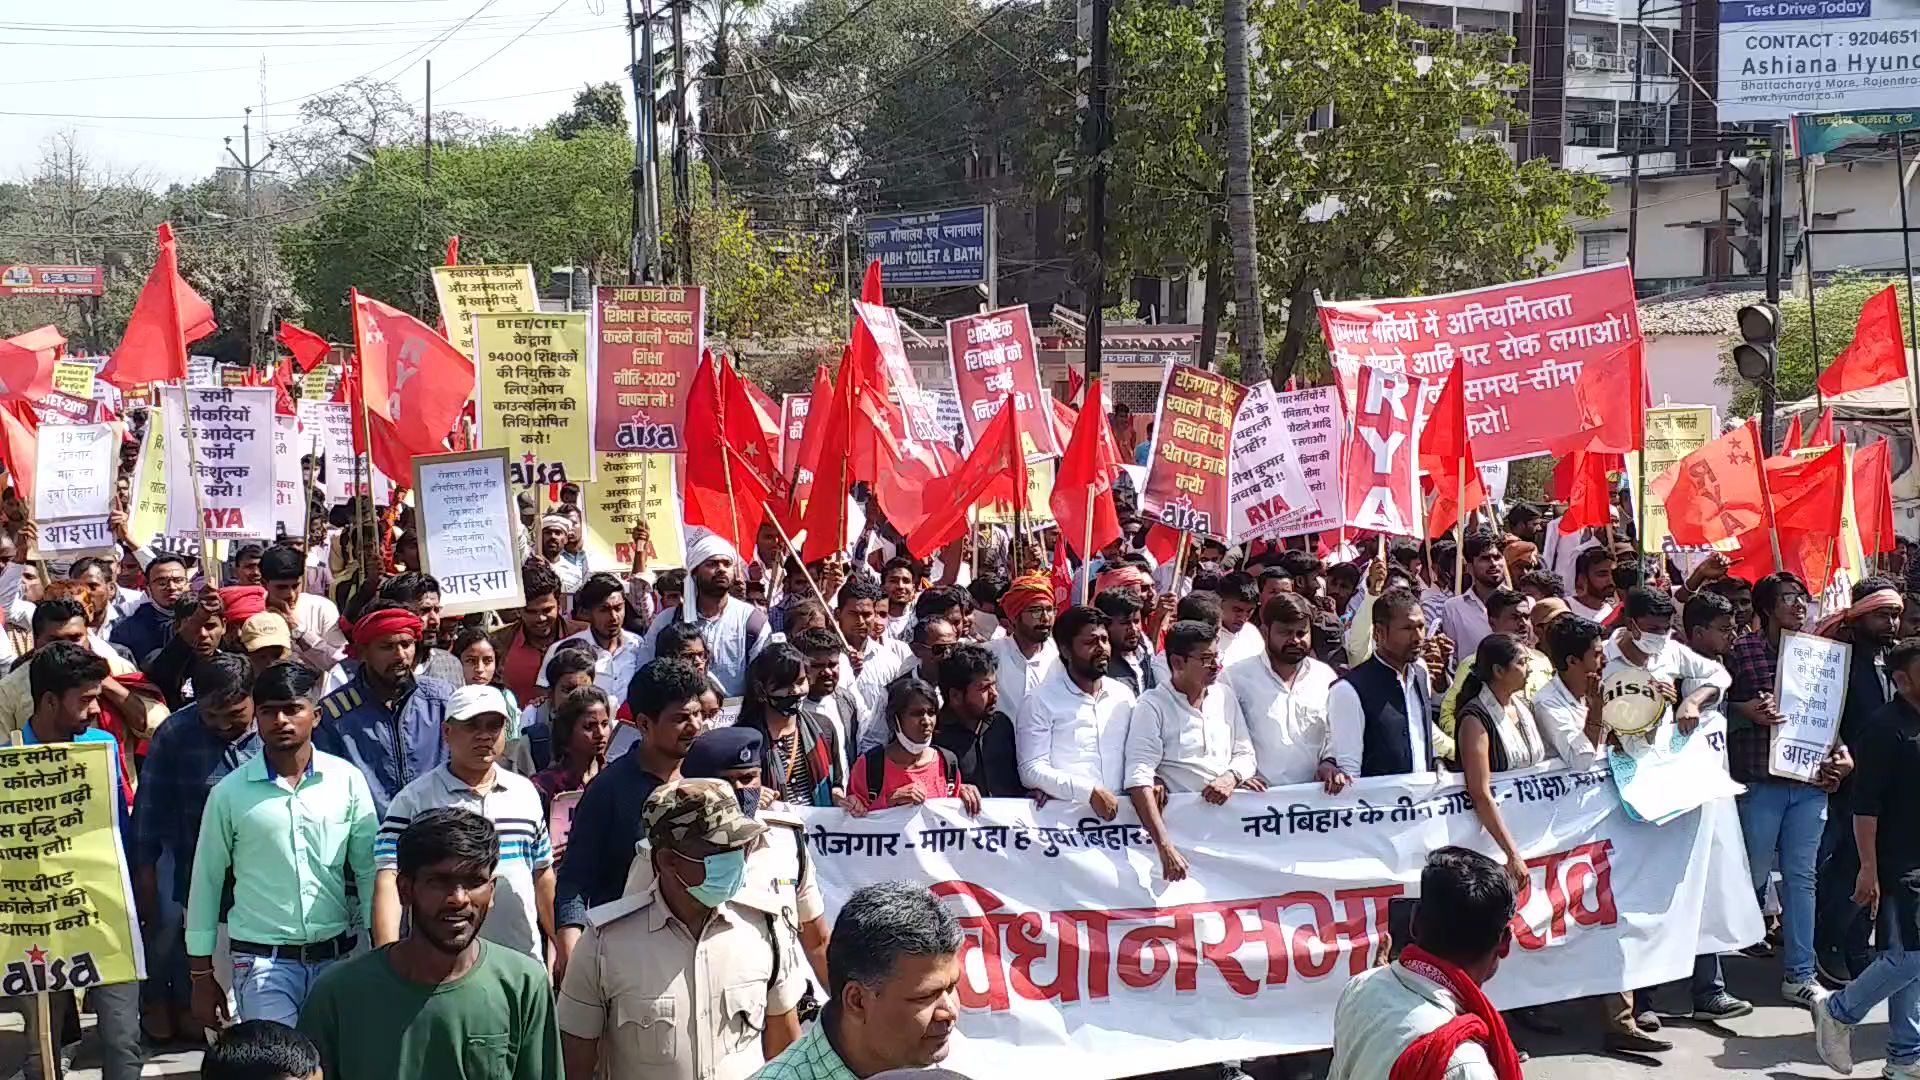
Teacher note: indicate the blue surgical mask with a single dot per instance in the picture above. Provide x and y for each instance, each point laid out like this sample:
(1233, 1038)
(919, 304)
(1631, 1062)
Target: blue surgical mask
(726, 873)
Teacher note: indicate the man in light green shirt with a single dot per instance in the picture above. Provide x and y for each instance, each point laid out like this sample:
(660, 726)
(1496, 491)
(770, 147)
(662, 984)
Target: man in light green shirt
(283, 832)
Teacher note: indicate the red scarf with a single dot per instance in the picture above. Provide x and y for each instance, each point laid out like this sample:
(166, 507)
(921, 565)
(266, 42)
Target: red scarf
(1426, 1058)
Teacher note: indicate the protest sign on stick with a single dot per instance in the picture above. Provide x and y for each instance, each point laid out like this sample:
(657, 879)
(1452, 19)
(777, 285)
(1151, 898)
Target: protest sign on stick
(1381, 482)
(469, 530)
(626, 489)
(1673, 432)
(648, 343)
(531, 389)
(1269, 487)
(466, 291)
(326, 430)
(289, 503)
(1192, 434)
(73, 377)
(1810, 689)
(993, 361)
(228, 466)
(73, 489)
(1524, 344)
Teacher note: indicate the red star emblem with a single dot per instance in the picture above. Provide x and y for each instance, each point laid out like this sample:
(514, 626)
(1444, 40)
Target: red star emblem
(37, 954)
(527, 458)
(1739, 457)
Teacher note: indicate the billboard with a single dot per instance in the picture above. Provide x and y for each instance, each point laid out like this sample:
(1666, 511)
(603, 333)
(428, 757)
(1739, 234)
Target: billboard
(935, 247)
(23, 280)
(1780, 57)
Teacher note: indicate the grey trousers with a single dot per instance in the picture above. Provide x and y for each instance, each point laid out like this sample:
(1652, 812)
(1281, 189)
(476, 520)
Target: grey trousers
(117, 1012)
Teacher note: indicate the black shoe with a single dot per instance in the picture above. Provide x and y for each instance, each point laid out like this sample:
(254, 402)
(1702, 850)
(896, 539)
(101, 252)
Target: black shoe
(1832, 969)
(1535, 1019)
(1635, 1042)
(1721, 1006)
(1647, 1021)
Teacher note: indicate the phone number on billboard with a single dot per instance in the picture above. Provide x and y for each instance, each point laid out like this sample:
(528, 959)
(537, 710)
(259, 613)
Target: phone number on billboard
(1883, 37)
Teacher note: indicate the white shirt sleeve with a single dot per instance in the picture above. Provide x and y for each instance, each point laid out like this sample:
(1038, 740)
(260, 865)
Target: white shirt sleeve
(1033, 746)
(1243, 763)
(1564, 728)
(540, 677)
(1696, 671)
(1346, 727)
(1145, 744)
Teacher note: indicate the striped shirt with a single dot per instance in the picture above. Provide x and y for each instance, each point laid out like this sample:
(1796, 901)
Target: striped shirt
(512, 803)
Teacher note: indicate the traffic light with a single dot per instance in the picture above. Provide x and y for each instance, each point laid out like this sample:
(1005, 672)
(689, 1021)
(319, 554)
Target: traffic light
(1758, 350)
(1748, 205)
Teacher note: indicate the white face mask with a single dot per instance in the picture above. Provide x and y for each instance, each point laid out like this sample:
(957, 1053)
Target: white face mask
(1651, 644)
(909, 745)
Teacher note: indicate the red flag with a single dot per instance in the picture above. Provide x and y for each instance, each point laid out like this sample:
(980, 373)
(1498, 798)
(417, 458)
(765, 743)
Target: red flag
(410, 375)
(1588, 492)
(1810, 494)
(1612, 398)
(26, 362)
(1084, 484)
(819, 403)
(453, 251)
(826, 512)
(307, 347)
(1076, 382)
(1873, 496)
(870, 290)
(1791, 440)
(167, 316)
(1822, 431)
(750, 433)
(18, 443)
(1716, 492)
(995, 471)
(1446, 454)
(718, 487)
(1062, 573)
(1877, 354)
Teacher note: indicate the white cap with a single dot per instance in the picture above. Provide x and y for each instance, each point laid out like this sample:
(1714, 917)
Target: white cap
(468, 702)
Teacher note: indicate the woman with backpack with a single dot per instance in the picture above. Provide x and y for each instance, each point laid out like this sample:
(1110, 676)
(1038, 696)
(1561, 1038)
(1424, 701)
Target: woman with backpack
(908, 769)
(800, 756)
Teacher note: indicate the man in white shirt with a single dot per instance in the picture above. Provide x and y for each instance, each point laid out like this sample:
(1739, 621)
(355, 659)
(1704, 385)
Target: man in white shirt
(315, 621)
(860, 608)
(1239, 635)
(555, 531)
(735, 630)
(1071, 735)
(616, 650)
(1645, 640)
(1567, 710)
(1593, 585)
(1460, 930)
(1283, 695)
(1464, 618)
(1187, 735)
(1027, 653)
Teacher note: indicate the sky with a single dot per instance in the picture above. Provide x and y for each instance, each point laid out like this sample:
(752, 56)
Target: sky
(155, 87)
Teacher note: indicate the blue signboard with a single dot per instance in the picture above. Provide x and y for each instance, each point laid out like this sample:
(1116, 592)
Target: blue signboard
(935, 247)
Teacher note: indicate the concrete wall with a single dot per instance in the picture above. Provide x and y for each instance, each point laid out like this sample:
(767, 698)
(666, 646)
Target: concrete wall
(1681, 369)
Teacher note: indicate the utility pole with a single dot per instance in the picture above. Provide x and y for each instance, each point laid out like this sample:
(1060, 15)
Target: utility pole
(1096, 132)
(643, 261)
(256, 306)
(1776, 255)
(427, 165)
(1633, 160)
(682, 150)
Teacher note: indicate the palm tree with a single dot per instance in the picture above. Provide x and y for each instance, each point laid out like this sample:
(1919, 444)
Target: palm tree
(1240, 220)
(741, 87)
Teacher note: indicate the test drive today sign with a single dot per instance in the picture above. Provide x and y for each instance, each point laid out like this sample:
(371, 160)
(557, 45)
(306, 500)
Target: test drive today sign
(1382, 481)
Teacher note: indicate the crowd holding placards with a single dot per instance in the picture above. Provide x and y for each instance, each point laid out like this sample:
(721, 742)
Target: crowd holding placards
(568, 835)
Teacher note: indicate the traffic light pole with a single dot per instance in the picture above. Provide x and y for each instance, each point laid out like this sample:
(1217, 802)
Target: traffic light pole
(1776, 243)
(1906, 260)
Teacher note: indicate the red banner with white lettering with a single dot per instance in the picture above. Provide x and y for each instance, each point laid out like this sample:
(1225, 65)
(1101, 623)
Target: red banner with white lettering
(793, 425)
(1524, 344)
(647, 345)
(1382, 480)
(993, 357)
(1187, 473)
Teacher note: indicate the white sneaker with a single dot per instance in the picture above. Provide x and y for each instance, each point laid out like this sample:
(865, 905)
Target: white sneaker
(1831, 1038)
(1803, 994)
(1900, 1072)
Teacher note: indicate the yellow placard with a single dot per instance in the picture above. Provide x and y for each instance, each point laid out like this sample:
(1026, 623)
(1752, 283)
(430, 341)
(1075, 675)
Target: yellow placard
(317, 385)
(148, 518)
(467, 291)
(531, 395)
(615, 500)
(66, 906)
(1039, 492)
(1673, 432)
(1852, 555)
(73, 378)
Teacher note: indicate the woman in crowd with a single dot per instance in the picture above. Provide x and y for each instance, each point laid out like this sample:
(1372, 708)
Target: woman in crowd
(908, 769)
(801, 756)
(582, 726)
(479, 664)
(1496, 733)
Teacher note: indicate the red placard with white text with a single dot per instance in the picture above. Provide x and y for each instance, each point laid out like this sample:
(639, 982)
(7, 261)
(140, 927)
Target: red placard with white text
(1187, 485)
(1382, 480)
(793, 425)
(992, 356)
(1524, 344)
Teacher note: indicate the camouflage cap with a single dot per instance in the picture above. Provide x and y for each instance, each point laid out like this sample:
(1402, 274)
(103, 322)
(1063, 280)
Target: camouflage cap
(699, 809)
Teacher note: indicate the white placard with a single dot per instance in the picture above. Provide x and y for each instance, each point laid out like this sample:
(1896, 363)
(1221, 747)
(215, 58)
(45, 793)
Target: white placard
(289, 513)
(200, 371)
(232, 450)
(1266, 490)
(73, 472)
(1078, 959)
(1311, 419)
(1672, 773)
(326, 429)
(1810, 689)
(468, 524)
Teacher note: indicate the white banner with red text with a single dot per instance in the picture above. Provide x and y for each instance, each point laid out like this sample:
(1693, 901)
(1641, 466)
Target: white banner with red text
(1079, 959)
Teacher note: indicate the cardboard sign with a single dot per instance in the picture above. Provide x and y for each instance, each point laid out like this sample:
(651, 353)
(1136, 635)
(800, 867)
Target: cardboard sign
(1192, 435)
(1810, 690)
(469, 530)
(1382, 478)
(648, 341)
(994, 361)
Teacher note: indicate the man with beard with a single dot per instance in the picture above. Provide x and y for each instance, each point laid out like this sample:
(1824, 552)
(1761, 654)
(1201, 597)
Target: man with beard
(1842, 928)
(1465, 617)
(386, 719)
(1071, 734)
(420, 594)
(146, 630)
(735, 630)
(442, 1001)
(1593, 587)
(835, 705)
(972, 726)
(555, 531)
(1028, 653)
(1377, 714)
(283, 834)
(1132, 661)
(874, 659)
(1283, 694)
(522, 644)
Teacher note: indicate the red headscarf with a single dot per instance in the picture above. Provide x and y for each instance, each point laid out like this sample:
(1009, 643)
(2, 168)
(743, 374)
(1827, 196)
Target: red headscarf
(242, 602)
(1026, 591)
(370, 628)
(1427, 1056)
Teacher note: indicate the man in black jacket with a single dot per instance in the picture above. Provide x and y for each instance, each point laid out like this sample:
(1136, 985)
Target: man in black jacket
(970, 725)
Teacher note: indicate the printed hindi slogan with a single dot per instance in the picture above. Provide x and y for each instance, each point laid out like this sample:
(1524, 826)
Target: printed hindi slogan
(994, 361)
(147, 518)
(531, 394)
(627, 488)
(1524, 344)
(1271, 486)
(66, 901)
(469, 529)
(326, 429)
(1382, 483)
(73, 377)
(919, 407)
(794, 409)
(1673, 432)
(232, 445)
(1810, 691)
(1187, 472)
(466, 291)
(648, 346)
(73, 488)
(1078, 959)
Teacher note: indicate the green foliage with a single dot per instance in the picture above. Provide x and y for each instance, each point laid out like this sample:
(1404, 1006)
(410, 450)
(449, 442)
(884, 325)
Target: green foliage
(600, 105)
(758, 286)
(1840, 304)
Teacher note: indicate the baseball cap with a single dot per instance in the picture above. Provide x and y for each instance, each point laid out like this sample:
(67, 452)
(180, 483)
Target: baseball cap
(263, 630)
(699, 809)
(468, 702)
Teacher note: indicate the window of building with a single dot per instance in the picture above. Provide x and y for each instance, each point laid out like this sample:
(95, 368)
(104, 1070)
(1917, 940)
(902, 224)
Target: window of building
(1589, 123)
(1596, 249)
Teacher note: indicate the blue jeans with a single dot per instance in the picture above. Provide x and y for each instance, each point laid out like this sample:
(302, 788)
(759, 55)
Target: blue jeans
(1787, 819)
(265, 988)
(116, 1011)
(1893, 977)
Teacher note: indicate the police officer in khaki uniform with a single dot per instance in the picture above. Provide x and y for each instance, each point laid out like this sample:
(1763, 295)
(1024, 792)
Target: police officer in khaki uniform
(777, 863)
(688, 979)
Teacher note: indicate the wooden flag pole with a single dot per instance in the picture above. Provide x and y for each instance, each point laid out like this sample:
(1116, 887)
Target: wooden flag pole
(1086, 553)
(209, 569)
(1460, 529)
(1766, 495)
(43, 1020)
(812, 585)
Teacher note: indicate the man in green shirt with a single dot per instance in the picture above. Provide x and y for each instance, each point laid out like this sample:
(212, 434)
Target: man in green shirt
(283, 831)
(440, 1003)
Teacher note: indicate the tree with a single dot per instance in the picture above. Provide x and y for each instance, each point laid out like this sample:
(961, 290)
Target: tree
(340, 131)
(1242, 224)
(1840, 302)
(599, 105)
